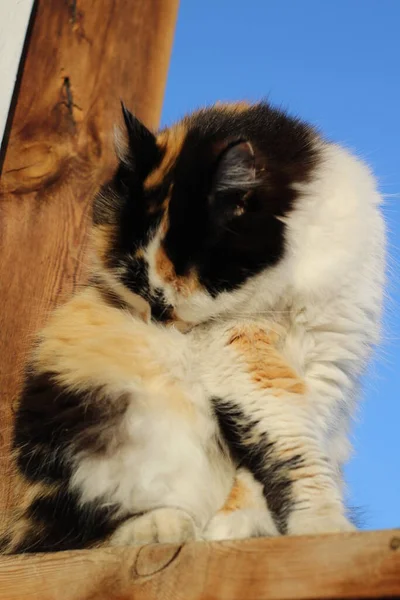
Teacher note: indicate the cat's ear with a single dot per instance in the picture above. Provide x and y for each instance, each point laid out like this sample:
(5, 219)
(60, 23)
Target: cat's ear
(235, 169)
(234, 177)
(138, 133)
(138, 144)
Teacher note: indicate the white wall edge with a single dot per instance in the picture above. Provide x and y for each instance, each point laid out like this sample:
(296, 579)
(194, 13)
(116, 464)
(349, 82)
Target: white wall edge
(14, 20)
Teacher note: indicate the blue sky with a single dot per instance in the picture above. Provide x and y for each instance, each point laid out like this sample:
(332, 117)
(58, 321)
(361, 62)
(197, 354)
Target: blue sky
(335, 64)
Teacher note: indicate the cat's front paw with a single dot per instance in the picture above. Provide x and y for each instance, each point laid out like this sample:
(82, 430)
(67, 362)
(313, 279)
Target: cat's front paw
(240, 524)
(163, 525)
(318, 522)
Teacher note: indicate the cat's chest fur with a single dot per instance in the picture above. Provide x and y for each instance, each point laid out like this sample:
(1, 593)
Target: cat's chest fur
(168, 440)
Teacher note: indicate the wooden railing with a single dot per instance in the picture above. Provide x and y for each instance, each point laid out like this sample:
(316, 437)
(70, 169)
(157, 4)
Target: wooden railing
(354, 565)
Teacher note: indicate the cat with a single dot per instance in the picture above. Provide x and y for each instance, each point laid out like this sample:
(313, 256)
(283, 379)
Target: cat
(201, 385)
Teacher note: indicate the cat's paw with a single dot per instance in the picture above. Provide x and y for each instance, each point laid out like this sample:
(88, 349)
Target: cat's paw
(163, 525)
(240, 524)
(314, 523)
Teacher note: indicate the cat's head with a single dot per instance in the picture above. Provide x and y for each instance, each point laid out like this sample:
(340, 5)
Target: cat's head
(197, 212)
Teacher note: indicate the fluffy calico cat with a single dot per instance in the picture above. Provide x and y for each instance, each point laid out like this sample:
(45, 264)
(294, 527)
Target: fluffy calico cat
(202, 384)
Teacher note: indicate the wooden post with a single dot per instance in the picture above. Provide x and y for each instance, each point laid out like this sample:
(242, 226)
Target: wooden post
(82, 57)
(354, 565)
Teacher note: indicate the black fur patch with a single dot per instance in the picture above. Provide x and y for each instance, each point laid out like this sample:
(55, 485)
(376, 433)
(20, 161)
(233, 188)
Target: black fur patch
(260, 459)
(143, 150)
(160, 309)
(53, 422)
(136, 278)
(4, 543)
(59, 522)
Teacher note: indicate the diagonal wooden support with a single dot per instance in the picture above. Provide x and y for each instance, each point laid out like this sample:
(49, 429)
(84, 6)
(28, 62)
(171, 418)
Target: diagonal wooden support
(353, 565)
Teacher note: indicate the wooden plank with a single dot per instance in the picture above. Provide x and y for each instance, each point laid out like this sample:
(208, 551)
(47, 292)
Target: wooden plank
(354, 565)
(14, 18)
(83, 56)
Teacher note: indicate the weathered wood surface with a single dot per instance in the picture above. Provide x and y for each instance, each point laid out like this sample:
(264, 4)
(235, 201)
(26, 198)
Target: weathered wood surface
(82, 57)
(356, 565)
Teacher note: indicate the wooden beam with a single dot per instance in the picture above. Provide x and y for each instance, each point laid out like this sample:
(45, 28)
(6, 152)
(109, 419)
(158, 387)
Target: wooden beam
(82, 57)
(355, 565)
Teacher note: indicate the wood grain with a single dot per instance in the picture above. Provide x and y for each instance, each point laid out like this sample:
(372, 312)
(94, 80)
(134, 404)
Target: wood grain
(355, 565)
(82, 57)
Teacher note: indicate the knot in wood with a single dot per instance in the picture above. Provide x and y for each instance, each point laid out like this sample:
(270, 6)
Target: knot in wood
(395, 543)
(154, 558)
(36, 166)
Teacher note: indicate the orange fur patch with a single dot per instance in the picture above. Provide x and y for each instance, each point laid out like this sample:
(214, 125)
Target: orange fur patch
(88, 343)
(267, 366)
(166, 271)
(234, 107)
(239, 497)
(170, 141)
(139, 253)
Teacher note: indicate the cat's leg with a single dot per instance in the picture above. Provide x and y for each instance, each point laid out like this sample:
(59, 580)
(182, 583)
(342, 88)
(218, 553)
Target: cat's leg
(267, 417)
(283, 453)
(245, 513)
